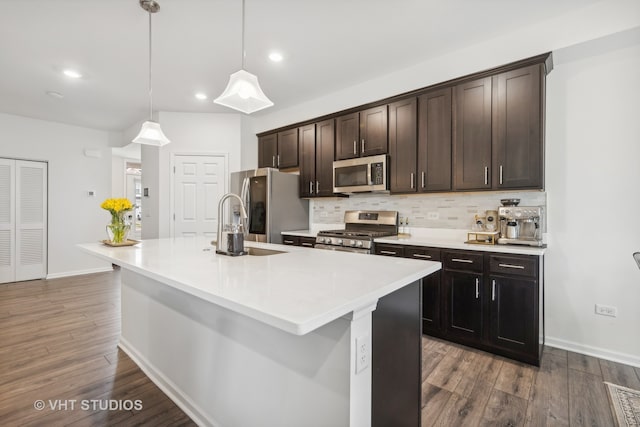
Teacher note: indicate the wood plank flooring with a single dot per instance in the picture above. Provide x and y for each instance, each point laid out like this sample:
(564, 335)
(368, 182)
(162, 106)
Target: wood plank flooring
(58, 343)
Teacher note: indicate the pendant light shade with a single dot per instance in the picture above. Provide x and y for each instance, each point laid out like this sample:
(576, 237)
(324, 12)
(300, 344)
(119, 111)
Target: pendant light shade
(243, 92)
(150, 133)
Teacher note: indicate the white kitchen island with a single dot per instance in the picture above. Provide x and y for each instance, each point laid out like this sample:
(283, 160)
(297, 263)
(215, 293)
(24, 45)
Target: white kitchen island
(277, 340)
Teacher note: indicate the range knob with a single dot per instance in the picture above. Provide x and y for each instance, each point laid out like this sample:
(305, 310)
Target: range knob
(320, 239)
(359, 243)
(339, 241)
(352, 243)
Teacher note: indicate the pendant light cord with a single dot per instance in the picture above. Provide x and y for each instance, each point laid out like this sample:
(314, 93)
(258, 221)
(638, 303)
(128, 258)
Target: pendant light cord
(243, 52)
(150, 90)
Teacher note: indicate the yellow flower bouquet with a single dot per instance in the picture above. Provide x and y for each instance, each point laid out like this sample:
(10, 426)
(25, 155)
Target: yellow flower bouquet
(118, 230)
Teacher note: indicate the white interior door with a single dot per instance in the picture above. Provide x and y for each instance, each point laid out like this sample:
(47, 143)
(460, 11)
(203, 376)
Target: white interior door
(31, 220)
(7, 221)
(199, 182)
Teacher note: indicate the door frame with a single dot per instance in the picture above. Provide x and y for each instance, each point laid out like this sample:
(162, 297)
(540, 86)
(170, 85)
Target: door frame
(172, 163)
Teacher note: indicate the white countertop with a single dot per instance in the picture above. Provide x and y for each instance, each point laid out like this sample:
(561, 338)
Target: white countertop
(297, 291)
(457, 243)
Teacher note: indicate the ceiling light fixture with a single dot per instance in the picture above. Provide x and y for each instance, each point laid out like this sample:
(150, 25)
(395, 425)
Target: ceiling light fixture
(150, 133)
(72, 74)
(243, 92)
(201, 96)
(275, 56)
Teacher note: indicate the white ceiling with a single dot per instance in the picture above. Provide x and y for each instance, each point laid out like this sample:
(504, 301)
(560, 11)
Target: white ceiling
(327, 44)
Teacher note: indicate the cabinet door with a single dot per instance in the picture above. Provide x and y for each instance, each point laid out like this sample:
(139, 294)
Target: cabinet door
(325, 148)
(512, 314)
(347, 136)
(287, 149)
(267, 151)
(307, 139)
(290, 240)
(464, 304)
(373, 131)
(472, 135)
(434, 141)
(518, 155)
(307, 242)
(403, 140)
(431, 303)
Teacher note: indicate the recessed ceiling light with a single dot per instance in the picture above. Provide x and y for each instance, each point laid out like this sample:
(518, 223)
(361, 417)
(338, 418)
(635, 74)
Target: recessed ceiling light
(72, 73)
(275, 56)
(54, 94)
(201, 96)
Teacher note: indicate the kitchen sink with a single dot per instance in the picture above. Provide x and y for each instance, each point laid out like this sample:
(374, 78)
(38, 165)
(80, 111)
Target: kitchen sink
(262, 251)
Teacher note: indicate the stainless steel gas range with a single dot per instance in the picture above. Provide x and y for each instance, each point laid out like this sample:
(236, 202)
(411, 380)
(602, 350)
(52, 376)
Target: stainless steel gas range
(361, 227)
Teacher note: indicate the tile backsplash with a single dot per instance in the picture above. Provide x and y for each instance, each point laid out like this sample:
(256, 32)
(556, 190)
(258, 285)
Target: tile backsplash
(452, 210)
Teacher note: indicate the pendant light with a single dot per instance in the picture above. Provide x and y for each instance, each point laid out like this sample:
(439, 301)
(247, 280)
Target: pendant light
(150, 133)
(243, 92)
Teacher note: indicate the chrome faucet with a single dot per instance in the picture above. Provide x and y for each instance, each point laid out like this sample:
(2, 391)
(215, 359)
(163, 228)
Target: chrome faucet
(222, 245)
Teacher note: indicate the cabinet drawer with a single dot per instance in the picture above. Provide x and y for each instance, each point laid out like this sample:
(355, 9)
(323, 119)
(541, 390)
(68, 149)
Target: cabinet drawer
(519, 266)
(463, 261)
(290, 240)
(389, 249)
(307, 242)
(419, 252)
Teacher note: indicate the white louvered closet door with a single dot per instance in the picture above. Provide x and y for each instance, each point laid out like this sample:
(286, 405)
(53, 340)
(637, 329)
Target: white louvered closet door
(31, 220)
(7, 221)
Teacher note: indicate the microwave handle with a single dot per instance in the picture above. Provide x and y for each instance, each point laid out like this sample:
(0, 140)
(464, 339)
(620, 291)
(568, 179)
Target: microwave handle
(369, 174)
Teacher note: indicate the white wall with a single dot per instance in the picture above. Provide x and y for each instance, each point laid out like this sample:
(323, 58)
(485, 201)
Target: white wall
(74, 217)
(592, 162)
(189, 133)
(593, 183)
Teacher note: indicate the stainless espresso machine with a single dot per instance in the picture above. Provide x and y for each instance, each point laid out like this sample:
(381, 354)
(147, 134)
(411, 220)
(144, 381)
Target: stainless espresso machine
(520, 225)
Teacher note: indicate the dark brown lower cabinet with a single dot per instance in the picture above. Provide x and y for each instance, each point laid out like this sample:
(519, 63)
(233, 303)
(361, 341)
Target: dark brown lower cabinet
(481, 299)
(288, 239)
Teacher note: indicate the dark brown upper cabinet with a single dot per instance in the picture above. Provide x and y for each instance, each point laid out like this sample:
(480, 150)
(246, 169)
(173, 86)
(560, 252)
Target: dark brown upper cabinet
(316, 159)
(434, 141)
(517, 117)
(325, 148)
(373, 131)
(403, 142)
(287, 149)
(362, 134)
(472, 135)
(267, 150)
(307, 137)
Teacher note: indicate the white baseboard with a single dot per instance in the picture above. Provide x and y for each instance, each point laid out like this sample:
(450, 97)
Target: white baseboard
(602, 353)
(78, 272)
(167, 386)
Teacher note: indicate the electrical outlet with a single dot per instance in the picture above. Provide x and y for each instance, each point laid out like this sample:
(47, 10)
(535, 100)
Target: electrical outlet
(433, 215)
(606, 310)
(362, 353)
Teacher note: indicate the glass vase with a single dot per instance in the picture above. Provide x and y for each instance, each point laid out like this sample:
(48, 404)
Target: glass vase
(118, 232)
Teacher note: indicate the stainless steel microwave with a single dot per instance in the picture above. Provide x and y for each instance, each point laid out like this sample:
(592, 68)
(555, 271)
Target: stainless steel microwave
(361, 174)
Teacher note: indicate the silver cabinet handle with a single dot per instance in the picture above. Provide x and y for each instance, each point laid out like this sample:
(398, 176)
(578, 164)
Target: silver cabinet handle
(468, 261)
(278, 160)
(317, 187)
(311, 187)
(412, 181)
(307, 244)
(486, 175)
(422, 256)
(422, 179)
(354, 147)
(273, 161)
(388, 252)
(493, 290)
(519, 267)
(362, 145)
(477, 288)
(500, 174)
(289, 242)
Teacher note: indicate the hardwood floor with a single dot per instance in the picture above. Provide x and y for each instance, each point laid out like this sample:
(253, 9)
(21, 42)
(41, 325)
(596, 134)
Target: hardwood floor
(59, 345)
(467, 387)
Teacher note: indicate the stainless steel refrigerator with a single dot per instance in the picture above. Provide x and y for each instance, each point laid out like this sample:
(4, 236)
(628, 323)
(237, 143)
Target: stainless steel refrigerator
(273, 203)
